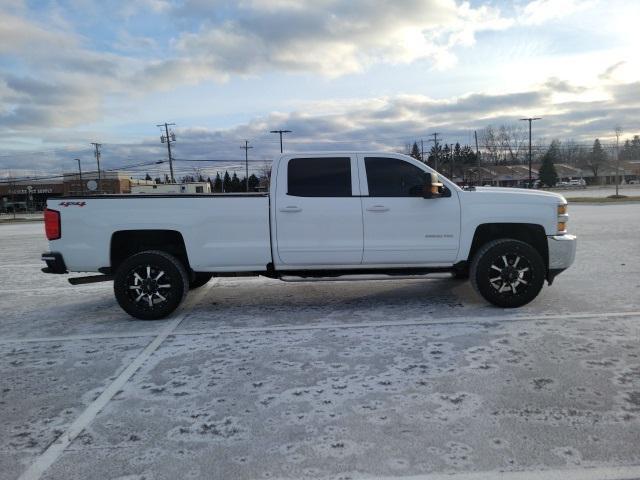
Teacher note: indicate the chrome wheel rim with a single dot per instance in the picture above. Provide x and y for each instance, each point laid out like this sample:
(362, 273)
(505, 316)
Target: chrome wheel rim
(510, 274)
(148, 286)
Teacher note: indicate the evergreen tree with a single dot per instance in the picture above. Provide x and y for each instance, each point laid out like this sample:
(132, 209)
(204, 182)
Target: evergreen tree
(467, 156)
(435, 157)
(254, 182)
(157, 180)
(415, 151)
(235, 183)
(217, 183)
(226, 183)
(148, 177)
(597, 157)
(547, 173)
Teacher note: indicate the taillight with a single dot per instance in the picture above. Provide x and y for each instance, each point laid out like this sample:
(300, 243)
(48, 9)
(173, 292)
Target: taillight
(52, 224)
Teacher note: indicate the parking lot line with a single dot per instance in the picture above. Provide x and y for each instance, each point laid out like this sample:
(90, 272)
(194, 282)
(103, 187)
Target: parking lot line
(57, 447)
(439, 321)
(333, 326)
(595, 473)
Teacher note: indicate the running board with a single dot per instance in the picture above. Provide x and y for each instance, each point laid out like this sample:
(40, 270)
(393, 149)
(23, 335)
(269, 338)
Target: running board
(353, 278)
(90, 279)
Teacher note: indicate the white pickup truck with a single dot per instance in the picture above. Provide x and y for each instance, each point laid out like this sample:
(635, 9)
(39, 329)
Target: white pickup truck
(327, 215)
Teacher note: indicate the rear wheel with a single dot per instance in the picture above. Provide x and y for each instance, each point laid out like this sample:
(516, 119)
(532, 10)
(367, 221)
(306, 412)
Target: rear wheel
(150, 285)
(199, 279)
(508, 273)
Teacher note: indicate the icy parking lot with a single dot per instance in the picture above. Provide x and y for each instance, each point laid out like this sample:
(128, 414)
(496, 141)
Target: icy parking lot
(256, 378)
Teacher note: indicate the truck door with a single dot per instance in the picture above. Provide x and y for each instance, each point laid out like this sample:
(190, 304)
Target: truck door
(400, 226)
(318, 211)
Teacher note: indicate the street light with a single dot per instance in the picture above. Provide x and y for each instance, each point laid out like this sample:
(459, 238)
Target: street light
(280, 132)
(530, 119)
(618, 131)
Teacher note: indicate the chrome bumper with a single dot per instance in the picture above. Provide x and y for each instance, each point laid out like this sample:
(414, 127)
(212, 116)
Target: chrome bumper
(562, 251)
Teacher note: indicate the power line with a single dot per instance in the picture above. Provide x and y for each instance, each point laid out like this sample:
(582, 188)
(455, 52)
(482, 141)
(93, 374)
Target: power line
(53, 177)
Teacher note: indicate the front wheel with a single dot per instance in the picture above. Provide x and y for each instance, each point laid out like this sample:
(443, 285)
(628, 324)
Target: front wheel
(508, 273)
(150, 285)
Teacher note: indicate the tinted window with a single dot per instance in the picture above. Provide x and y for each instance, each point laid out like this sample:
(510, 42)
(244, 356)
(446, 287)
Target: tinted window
(319, 177)
(390, 177)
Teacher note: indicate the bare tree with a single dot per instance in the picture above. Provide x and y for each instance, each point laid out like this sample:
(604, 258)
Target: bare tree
(512, 139)
(572, 153)
(491, 144)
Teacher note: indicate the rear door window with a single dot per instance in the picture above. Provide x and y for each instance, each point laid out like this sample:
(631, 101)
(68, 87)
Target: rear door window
(319, 177)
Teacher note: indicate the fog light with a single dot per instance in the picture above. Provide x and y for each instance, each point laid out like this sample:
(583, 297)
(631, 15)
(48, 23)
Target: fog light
(562, 227)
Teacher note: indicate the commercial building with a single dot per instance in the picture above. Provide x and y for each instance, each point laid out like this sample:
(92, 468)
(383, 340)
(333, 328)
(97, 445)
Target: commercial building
(171, 188)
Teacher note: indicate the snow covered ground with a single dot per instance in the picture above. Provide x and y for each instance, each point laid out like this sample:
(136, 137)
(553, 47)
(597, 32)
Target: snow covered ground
(255, 378)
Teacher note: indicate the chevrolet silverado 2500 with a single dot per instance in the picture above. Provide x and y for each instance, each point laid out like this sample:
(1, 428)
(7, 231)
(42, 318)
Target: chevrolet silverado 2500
(326, 215)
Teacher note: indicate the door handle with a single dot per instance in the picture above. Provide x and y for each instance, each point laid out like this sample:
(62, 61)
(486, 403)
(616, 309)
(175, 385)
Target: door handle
(378, 208)
(291, 209)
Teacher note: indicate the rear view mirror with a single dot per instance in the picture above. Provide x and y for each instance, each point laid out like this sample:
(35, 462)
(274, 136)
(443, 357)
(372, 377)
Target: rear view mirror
(433, 186)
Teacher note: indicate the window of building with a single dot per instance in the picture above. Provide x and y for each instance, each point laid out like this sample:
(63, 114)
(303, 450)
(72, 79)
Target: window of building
(319, 177)
(391, 177)
(200, 189)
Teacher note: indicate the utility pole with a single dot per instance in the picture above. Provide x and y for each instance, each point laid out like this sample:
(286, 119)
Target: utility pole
(80, 171)
(246, 161)
(475, 135)
(451, 163)
(618, 133)
(12, 187)
(97, 154)
(169, 138)
(530, 120)
(435, 143)
(280, 132)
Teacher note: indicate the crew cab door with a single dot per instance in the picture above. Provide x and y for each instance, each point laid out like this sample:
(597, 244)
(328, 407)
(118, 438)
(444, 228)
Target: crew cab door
(400, 226)
(318, 211)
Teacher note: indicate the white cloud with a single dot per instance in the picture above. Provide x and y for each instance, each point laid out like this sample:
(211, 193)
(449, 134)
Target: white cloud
(538, 12)
(331, 37)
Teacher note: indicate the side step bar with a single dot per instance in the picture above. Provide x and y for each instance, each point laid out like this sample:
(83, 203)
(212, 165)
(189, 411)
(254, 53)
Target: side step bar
(353, 278)
(90, 279)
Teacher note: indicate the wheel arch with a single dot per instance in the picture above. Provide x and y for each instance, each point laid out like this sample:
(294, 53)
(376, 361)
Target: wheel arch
(529, 233)
(125, 243)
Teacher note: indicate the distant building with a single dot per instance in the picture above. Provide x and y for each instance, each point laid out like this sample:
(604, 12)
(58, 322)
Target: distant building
(108, 183)
(171, 188)
(28, 196)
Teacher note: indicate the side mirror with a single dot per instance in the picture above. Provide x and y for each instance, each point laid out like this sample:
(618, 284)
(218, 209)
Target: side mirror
(432, 186)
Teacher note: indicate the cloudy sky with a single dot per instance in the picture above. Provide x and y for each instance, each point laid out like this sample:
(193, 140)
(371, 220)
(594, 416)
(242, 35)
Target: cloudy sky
(342, 74)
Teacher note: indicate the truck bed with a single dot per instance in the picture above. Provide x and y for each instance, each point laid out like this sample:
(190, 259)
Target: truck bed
(221, 232)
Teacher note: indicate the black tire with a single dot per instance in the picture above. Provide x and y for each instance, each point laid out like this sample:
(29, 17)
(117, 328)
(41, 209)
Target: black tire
(199, 279)
(511, 285)
(138, 290)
